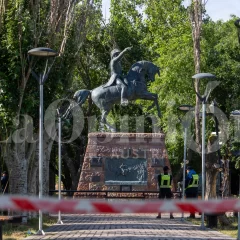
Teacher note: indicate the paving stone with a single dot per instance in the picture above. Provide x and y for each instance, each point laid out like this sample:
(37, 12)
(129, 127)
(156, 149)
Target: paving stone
(126, 227)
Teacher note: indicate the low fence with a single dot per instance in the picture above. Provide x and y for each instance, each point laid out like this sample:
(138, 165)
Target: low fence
(115, 194)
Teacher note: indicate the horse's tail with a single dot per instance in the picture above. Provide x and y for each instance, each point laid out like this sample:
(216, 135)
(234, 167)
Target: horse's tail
(80, 97)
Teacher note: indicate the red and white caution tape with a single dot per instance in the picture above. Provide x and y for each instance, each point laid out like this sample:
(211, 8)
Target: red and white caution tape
(26, 203)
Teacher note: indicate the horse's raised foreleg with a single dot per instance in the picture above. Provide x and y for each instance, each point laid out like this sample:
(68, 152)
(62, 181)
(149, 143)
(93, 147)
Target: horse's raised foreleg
(152, 97)
(104, 123)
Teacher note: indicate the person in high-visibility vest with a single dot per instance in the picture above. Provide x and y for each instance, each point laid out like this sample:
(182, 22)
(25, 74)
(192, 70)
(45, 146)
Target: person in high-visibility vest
(164, 183)
(191, 185)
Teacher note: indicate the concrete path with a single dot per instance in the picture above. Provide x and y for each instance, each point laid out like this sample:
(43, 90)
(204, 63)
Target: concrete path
(126, 227)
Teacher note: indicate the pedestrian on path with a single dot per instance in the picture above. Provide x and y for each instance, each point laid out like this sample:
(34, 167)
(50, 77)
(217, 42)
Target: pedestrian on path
(191, 185)
(165, 182)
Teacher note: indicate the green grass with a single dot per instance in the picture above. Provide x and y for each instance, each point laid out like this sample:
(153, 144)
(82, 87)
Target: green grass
(20, 231)
(230, 230)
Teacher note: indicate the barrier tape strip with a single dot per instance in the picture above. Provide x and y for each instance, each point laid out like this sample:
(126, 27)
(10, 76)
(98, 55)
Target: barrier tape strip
(53, 205)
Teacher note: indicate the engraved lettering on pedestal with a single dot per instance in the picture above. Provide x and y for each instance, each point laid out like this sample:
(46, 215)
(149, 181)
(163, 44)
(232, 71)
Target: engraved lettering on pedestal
(155, 152)
(116, 152)
(139, 153)
(126, 153)
(135, 153)
(103, 149)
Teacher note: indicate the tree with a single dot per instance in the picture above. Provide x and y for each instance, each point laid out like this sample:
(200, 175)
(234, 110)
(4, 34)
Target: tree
(25, 25)
(169, 41)
(196, 15)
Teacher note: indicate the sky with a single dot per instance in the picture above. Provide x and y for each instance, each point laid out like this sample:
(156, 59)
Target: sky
(216, 9)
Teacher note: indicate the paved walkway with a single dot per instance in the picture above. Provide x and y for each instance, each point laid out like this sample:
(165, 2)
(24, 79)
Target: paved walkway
(126, 227)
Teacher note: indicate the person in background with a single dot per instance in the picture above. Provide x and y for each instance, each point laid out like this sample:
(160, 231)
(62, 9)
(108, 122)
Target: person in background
(165, 182)
(4, 182)
(191, 185)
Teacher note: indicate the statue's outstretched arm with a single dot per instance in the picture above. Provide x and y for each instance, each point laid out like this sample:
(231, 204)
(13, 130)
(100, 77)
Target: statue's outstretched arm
(121, 54)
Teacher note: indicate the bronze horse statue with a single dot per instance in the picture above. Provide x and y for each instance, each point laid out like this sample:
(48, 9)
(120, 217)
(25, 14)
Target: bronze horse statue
(105, 97)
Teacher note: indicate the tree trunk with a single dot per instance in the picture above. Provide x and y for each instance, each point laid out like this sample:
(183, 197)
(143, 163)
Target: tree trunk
(33, 172)
(196, 23)
(225, 179)
(223, 220)
(47, 148)
(22, 160)
(16, 157)
(74, 170)
(212, 170)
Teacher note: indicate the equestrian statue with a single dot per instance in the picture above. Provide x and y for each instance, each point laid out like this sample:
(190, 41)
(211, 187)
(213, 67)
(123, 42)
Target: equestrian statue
(120, 90)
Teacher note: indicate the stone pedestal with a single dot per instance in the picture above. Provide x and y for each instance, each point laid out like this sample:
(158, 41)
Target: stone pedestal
(123, 162)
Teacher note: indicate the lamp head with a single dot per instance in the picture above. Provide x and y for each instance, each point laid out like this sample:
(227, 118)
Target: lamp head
(185, 108)
(210, 86)
(42, 52)
(203, 75)
(235, 113)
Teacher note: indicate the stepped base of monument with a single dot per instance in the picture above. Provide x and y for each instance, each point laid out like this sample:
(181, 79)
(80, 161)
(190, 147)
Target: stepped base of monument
(122, 162)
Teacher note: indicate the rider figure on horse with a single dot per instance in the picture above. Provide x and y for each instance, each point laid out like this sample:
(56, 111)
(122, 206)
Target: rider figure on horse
(116, 73)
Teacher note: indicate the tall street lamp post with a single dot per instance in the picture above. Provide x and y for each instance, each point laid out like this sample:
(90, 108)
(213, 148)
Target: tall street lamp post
(184, 108)
(203, 99)
(59, 161)
(45, 53)
(60, 115)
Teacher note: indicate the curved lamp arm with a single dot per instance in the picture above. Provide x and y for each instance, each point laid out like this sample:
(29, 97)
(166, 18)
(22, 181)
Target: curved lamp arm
(210, 86)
